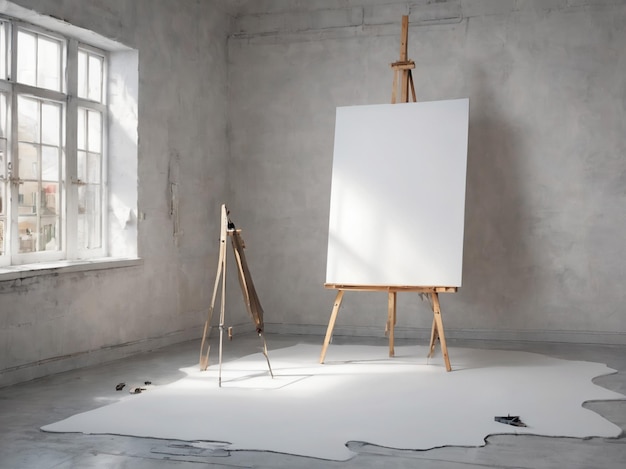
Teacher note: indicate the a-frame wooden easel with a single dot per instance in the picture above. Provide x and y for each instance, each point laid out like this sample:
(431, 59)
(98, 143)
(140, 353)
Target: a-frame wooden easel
(253, 305)
(403, 77)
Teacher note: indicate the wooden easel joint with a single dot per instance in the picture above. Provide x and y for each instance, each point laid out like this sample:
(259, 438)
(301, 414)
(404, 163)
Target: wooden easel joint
(403, 65)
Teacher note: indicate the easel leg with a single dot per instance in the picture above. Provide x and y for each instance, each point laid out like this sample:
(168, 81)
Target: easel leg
(438, 331)
(391, 321)
(412, 87)
(222, 312)
(204, 354)
(433, 337)
(395, 86)
(331, 324)
(262, 336)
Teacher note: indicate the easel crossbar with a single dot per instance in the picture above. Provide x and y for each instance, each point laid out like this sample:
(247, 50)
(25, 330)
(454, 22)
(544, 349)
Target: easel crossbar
(391, 288)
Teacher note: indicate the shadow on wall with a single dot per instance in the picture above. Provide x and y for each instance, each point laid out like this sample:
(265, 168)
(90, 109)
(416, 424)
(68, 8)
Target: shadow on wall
(499, 261)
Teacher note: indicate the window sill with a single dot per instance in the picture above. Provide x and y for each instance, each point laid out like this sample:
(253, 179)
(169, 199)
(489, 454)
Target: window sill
(15, 272)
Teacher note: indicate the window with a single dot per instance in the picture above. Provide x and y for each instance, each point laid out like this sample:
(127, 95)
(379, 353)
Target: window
(53, 146)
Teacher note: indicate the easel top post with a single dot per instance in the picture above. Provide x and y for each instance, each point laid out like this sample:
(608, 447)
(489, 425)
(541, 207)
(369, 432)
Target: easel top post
(404, 39)
(402, 68)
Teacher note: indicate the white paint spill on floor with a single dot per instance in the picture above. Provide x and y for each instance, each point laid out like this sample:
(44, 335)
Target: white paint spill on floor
(405, 402)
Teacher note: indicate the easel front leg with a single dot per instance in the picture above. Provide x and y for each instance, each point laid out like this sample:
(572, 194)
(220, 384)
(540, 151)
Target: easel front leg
(204, 352)
(433, 338)
(437, 330)
(265, 353)
(222, 315)
(391, 321)
(331, 324)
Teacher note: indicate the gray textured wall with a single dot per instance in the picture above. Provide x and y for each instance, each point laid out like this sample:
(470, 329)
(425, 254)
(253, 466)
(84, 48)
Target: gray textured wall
(546, 190)
(50, 323)
(546, 194)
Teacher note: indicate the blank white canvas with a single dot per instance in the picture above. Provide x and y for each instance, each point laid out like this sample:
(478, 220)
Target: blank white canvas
(397, 200)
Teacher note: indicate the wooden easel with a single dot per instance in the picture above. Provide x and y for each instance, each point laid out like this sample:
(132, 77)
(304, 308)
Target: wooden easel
(253, 305)
(401, 69)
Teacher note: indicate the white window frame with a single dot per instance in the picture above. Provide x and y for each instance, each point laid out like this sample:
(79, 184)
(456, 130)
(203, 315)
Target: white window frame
(123, 216)
(68, 187)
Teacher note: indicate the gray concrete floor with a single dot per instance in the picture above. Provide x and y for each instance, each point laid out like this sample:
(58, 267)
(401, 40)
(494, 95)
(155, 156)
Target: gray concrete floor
(26, 407)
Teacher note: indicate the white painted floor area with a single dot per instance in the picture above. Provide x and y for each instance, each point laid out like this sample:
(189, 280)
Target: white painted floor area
(26, 407)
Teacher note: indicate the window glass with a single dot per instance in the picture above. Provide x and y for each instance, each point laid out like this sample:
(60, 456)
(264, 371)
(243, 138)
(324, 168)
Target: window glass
(95, 78)
(26, 58)
(94, 131)
(48, 63)
(90, 227)
(90, 75)
(81, 129)
(3, 170)
(50, 163)
(51, 123)
(28, 167)
(28, 120)
(3, 51)
(39, 60)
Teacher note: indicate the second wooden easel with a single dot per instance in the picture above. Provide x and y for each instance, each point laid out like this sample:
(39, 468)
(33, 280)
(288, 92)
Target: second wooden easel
(402, 78)
(253, 305)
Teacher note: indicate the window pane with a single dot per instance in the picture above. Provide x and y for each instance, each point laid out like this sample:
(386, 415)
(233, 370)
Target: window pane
(26, 58)
(49, 63)
(89, 218)
(94, 131)
(93, 168)
(82, 74)
(95, 78)
(28, 198)
(3, 54)
(50, 199)
(95, 239)
(27, 233)
(28, 167)
(81, 231)
(81, 166)
(2, 230)
(50, 163)
(3, 115)
(51, 123)
(38, 208)
(82, 199)
(49, 234)
(81, 128)
(3, 142)
(28, 120)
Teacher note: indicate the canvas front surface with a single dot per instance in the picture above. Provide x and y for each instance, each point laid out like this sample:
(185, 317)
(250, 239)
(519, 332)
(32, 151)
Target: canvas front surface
(398, 194)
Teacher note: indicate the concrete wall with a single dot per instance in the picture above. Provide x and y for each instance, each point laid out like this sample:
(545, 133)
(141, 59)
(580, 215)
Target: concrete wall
(546, 198)
(546, 201)
(54, 322)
